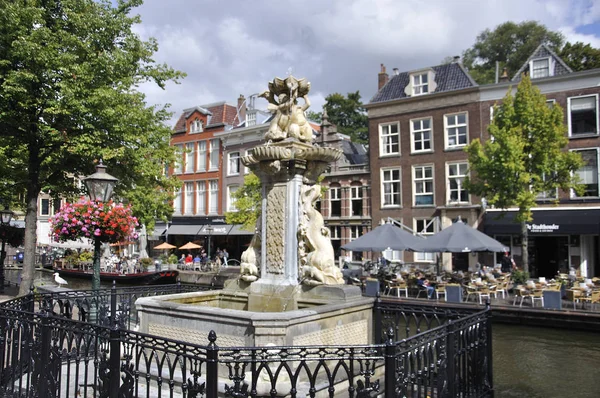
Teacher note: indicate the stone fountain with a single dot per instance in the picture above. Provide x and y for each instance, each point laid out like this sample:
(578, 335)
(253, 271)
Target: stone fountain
(290, 291)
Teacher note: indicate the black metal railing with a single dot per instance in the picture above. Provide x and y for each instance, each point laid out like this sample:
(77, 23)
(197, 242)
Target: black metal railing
(48, 350)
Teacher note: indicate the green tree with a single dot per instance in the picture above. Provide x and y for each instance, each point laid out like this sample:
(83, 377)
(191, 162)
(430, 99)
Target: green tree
(580, 56)
(526, 157)
(247, 202)
(511, 45)
(69, 77)
(347, 113)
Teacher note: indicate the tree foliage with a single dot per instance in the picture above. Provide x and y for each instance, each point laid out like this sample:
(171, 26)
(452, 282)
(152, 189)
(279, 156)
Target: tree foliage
(510, 44)
(580, 56)
(247, 202)
(69, 77)
(347, 113)
(526, 156)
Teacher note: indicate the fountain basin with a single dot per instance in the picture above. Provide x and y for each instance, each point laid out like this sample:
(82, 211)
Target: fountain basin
(344, 318)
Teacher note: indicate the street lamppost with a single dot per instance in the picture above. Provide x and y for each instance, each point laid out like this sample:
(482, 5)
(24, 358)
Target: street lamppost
(100, 187)
(209, 228)
(5, 215)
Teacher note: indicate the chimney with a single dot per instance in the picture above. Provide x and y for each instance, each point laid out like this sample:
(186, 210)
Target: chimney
(504, 77)
(396, 72)
(383, 77)
(456, 59)
(241, 108)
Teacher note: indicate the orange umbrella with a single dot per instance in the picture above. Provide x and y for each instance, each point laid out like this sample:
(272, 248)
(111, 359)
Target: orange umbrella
(190, 246)
(165, 246)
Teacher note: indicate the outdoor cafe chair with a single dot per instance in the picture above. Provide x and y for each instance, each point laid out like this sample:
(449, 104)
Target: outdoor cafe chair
(574, 296)
(593, 298)
(399, 286)
(440, 291)
(520, 292)
(537, 294)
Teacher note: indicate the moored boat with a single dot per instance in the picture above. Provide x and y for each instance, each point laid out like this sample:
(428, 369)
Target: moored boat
(142, 278)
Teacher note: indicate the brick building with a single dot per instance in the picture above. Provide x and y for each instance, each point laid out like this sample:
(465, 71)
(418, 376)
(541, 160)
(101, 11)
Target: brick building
(419, 123)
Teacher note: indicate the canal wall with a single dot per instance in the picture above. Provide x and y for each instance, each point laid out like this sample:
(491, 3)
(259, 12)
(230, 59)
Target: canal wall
(585, 320)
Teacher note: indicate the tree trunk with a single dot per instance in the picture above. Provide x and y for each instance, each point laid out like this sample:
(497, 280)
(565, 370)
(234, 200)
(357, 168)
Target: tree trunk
(524, 246)
(33, 191)
(27, 274)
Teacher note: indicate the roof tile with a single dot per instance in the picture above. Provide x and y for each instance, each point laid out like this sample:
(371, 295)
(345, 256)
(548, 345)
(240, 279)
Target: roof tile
(448, 77)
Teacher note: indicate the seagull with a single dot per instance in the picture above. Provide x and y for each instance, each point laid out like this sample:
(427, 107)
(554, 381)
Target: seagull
(59, 280)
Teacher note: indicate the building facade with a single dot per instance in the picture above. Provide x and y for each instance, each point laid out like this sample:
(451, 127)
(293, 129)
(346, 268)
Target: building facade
(421, 121)
(198, 206)
(346, 203)
(419, 124)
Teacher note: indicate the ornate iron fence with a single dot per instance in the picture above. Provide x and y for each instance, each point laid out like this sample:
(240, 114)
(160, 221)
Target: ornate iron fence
(48, 350)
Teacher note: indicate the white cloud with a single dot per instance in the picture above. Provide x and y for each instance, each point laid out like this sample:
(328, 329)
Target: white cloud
(338, 45)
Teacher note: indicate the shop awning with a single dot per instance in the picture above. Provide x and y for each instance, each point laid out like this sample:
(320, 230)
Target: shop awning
(239, 230)
(545, 222)
(159, 230)
(184, 229)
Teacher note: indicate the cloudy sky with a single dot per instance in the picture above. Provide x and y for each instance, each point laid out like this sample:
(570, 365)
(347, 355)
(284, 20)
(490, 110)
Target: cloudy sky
(233, 47)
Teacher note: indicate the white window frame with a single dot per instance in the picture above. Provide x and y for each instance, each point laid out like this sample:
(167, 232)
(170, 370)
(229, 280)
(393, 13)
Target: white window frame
(448, 126)
(429, 223)
(421, 130)
(201, 158)
(335, 195)
(201, 197)
(213, 196)
(356, 231)
(573, 194)
(547, 195)
(550, 67)
(597, 117)
(386, 139)
(423, 180)
(356, 194)
(418, 87)
(231, 189)
(383, 172)
(233, 163)
(461, 178)
(177, 208)
(214, 154)
(196, 126)
(190, 157)
(41, 207)
(188, 208)
(178, 167)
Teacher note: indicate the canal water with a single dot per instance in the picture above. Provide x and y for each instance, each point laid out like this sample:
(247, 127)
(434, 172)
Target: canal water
(543, 363)
(529, 362)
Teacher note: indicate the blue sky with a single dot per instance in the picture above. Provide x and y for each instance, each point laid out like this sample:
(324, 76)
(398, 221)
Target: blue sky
(235, 47)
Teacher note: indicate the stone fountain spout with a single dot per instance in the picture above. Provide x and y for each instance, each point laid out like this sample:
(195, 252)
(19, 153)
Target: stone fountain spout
(291, 241)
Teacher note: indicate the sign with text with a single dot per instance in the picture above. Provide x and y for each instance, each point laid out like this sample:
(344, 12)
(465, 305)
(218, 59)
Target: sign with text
(533, 228)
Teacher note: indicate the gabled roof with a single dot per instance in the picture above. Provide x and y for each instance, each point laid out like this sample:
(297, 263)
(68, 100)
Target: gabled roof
(219, 113)
(543, 51)
(448, 77)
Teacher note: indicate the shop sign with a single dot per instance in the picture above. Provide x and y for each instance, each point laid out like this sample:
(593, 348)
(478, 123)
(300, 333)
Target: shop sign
(543, 228)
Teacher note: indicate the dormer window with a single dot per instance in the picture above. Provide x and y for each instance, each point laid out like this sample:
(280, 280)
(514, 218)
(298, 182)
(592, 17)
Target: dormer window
(251, 119)
(540, 68)
(196, 126)
(420, 84)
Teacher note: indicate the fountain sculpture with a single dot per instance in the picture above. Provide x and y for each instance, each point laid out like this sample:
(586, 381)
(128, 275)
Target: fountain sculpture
(290, 291)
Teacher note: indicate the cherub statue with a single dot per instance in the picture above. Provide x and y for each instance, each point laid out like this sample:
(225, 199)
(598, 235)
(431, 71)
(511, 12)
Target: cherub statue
(289, 120)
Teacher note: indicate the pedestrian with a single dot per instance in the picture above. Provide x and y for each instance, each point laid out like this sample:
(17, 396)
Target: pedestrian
(507, 263)
(225, 257)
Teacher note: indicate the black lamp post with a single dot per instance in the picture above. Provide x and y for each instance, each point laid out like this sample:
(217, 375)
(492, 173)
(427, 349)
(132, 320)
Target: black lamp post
(209, 228)
(5, 215)
(100, 187)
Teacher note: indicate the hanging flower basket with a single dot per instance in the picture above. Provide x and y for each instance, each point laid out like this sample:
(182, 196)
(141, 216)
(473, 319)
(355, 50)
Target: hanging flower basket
(106, 221)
